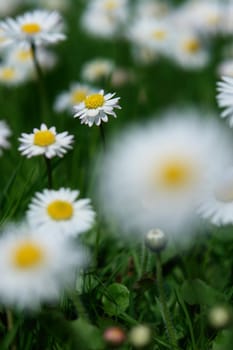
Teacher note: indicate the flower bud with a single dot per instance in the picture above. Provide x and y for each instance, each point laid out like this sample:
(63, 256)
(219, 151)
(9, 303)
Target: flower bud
(140, 336)
(220, 317)
(155, 240)
(114, 336)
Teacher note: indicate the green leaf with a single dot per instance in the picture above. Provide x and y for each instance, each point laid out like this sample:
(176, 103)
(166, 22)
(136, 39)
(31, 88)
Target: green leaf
(223, 341)
(198, 292)
(89, 336)
(116, 299)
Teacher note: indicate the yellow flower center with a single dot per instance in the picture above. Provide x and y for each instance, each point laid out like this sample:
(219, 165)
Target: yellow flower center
(159, 34)
(174, 174)
(94, 101)
(8, 73)
(110, 5)
(31, 28)
(78, 96)
(60, 210)
(191, 46)
(27, 255)
(44, 138)
(24, 55)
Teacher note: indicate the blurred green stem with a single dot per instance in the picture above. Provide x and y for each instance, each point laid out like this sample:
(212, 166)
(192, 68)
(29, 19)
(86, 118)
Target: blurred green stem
(102, 135)
(166, 313)
(10, 325)
(49, 172)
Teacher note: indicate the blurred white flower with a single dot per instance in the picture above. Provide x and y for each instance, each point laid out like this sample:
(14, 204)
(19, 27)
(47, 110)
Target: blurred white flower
(60, 212)
(35, 267)
(155, 176)
(225, 98)
(217, 204)
(76, 94)
(12, 74)
(45, 141)
(5, 132)
(38, 27)
(97, 69)
(225, 68)
(96, 108)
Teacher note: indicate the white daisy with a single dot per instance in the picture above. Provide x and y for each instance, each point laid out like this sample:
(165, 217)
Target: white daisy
(45, 141)
(155, 177)
(97, 69)
(60, 211)
(39, 27)
(96, 108)
(225, 98)
(35, 267)
(217, 202)
(76, 94)
(5, 132)
(12, 74)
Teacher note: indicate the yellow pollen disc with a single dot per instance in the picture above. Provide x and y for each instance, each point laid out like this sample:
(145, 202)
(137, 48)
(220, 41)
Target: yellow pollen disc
(94, 101)
(174, 174)
(31, 28)
(60, 210)
(27, 255)
(159, 34)
(44, 138)
(191, 46)
(8, 73)
(110, 5)
(24, 55)
(78, 96)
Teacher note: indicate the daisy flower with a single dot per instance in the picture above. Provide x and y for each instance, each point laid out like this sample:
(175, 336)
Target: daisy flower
(224, 98)
(96, 108)
(12, 74)
(45, 141)
(5, 132)
(97, 69)
(155, 176)
(38, 27)
(76, 94)
(217, 204)
(35, 267)
(60, 211)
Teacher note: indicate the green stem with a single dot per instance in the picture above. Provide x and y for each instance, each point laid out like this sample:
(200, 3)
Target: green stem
(10, 325)
(102, 135)
(166, 313)
(49, 172)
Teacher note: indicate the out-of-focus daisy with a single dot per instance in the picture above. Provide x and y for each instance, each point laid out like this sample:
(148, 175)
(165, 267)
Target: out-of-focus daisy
(225, 98)
(76, 94)
(38, 27)
(45, 141)
(5, 132)
(225, 68)
(35, 267)
(97, 69)
(189, 51)
(60, 211)
(217, 202)
(151, 8)
(96, 108)
(8, 7)
(155, 176)
(12, 74)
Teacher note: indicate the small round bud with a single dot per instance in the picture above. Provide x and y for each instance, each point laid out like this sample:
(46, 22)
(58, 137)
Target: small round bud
(155, 240)
(114, 336)
(140, 336)
(220, 317)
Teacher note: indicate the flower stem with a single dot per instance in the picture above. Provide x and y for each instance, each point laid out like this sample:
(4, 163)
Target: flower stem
(10, 324)
(166, 313)
(102, 135)
(49, 172)
(40, 79)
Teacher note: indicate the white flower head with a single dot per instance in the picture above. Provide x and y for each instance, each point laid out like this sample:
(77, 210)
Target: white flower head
(35, 267)
(96, 108)
(76, 94)
(12, 74)
(38, 27)
(45, 141)
(5, 132)
(61, 212)
(217, 202)
(97, 69)
(155, 176)
(225, 98)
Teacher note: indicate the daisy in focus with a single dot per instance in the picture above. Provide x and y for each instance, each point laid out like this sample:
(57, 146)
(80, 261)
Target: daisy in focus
(37, 27)
(35, 267)
(217, 205)
(5, 132)
(76, 94)
(45, 141)
(225, 98)
(96, 108)
(156, 176)
(61, 212)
